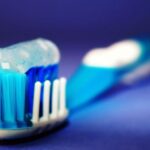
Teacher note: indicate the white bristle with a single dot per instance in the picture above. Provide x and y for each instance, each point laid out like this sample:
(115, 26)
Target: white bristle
(55, 98)
(36, 102)
(46, 99)
(62, 103)
(58, 102)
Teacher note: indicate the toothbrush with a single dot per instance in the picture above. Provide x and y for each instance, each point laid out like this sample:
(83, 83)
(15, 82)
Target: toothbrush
(37, 101)
(33, 98)
(15, 123)
(101, 68)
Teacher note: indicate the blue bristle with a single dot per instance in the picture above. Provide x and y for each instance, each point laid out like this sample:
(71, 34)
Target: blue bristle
(8, 100)
(12, 98)
(32, 78)
(20, 96)
(30, 87)
(41, 74)
(54, 72)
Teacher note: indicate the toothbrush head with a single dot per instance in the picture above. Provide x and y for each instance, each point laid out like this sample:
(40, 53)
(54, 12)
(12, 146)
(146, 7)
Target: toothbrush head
(50, 119)
(32, 98)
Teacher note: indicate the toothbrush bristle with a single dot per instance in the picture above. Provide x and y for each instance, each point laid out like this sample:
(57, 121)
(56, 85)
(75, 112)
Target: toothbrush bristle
(58, 101)
(36, 102)
(55, 96)
(12, 92)
(46, 98)
(62, 104)
(39, 74)
(8, 99)
(20, 96)
(48, 102)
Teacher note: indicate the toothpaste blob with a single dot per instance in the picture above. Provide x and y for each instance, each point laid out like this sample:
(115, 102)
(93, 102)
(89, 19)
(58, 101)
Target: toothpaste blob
(21, 57)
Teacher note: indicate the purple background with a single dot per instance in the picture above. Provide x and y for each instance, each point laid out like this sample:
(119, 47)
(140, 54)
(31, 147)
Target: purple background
(75, 25)
(121, 120)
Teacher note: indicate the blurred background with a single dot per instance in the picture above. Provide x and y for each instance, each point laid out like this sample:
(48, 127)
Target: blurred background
(121, 120)
(74, 25)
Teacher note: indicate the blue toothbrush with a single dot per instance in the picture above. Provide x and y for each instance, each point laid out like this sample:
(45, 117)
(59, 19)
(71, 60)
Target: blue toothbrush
(102, 68)
(33, 98)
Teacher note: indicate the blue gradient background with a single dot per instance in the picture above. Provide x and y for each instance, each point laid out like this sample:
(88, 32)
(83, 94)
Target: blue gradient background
(119, 119)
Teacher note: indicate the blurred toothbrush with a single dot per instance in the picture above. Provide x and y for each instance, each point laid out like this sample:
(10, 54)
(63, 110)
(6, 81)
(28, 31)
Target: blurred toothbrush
(102, 68)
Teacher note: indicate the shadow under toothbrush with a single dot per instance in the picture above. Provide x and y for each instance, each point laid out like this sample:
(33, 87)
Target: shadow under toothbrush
(34, 137)
(121, 87)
